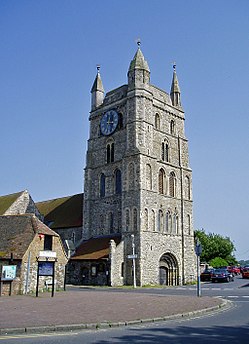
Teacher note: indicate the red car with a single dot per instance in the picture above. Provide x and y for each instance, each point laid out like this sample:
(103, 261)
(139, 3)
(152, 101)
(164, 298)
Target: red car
(245, 272)
(234, 270)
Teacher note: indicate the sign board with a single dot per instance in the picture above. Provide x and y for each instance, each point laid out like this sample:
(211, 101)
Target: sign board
(132, 256)
(198, 249)
(45, 268)
(47, 254)
(8, 272)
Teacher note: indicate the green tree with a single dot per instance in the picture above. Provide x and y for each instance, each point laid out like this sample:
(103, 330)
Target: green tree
(218, 262)
(215, 245)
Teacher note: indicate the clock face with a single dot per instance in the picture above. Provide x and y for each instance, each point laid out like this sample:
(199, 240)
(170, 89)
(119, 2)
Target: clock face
(109, 122)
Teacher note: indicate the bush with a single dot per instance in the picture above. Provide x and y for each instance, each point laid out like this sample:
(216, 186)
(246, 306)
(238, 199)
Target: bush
(218, 262)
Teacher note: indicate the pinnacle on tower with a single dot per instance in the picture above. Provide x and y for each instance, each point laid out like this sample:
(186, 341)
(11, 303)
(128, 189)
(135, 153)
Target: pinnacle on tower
(139, 61)
(97, 91)
(175, 89)
(139, 72)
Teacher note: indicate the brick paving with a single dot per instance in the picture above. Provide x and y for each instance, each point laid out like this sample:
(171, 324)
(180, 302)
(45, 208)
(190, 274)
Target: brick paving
(94, 306)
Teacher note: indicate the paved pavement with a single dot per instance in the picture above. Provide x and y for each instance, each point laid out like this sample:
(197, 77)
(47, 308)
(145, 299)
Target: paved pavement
(91, 309)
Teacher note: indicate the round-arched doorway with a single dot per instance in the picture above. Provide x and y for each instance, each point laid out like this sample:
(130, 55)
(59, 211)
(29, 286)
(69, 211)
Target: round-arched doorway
(168, 270)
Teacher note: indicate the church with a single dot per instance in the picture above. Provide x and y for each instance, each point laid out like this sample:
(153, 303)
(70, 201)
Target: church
(138, 207)
(134, 223)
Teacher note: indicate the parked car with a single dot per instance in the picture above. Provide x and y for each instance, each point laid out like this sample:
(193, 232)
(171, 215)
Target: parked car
(222, 275)
(234, 269)
(206, 275)
(245, 272)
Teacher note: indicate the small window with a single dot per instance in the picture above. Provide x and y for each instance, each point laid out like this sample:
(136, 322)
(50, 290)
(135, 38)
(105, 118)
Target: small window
(172, 127)
(110, 152)
(157, 121)
(170, 223)
(167, 222)
(160, 221)
(175, 224)
(187, 187)
(172, 184)
(153, 220)
(165, 151)
(48, 243)
(161, 181)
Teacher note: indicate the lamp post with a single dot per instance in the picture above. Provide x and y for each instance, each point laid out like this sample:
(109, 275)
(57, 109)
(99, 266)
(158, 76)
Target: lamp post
(133, 260)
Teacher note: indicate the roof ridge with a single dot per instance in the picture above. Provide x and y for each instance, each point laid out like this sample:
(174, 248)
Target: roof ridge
(14, 193)
(54, 199)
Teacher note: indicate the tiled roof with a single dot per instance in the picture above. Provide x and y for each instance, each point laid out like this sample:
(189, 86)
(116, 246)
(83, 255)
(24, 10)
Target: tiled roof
(18, 231)
(95, 248)
(65, 212)
(7, 200)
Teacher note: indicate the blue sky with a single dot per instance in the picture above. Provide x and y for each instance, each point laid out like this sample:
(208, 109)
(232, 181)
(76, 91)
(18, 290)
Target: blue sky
(48, 55)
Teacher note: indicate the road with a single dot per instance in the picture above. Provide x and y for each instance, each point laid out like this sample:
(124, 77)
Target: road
(228, 326)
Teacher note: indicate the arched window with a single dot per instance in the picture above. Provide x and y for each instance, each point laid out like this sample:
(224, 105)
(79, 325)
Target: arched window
(160, 221)
(153, 220)
(165, 151)
(175, 224)
(187, 187)
(167, 222)
(110, 152)
(157, 121)
(102, 185)
(135, 219)
(162, 181)
(146, 219)
(172, 127)
(172, 184)
(127, 220)
(148, 177)
(170, 223)
(118, 183)
(131, 176)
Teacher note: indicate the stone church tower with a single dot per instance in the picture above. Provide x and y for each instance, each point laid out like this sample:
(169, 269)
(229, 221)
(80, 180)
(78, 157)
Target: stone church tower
(138, 183)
